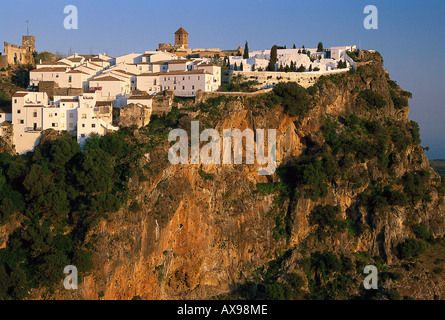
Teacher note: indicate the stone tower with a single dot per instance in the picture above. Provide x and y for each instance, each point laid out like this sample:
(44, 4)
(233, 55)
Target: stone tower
(182, 38)
(29, 43)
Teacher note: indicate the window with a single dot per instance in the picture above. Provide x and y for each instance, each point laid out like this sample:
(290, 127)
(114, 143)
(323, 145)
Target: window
(71, 115)
(93, 125)
(50, 115)
(193, 87)
(21, 121)
(198, 77)
(84, 115)
(69, 79)
(183, 88)
(83, 125)
(71, 125)
(54, 124)
(19, 111)
(62, 115)
(15, 100)
(34, 114)
(82, 135)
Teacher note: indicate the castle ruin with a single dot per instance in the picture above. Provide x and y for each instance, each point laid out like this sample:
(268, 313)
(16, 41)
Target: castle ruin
(16, 55)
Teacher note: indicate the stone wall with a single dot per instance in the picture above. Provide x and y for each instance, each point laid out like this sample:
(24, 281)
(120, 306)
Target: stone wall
(268, 79)
(68, 92)
(3, 61)
(203, 96)
(29, 43)
(162, 102)
(18, 55)
(134, 114)
(48, 87)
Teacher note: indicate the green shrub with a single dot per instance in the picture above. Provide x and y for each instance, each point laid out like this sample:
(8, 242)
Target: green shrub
(268, 188)
(296, 100)
(411, 248)
(421, 231)
(206, 176)
(373, 99)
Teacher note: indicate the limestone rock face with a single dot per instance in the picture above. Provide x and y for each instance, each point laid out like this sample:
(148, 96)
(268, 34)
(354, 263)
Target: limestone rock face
(198, 235)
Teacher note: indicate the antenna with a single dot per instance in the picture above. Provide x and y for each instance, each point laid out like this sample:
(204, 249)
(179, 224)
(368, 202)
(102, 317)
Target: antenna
(27, 27)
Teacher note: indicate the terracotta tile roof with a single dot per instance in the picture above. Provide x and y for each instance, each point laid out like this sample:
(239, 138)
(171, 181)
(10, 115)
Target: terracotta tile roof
(140, 97)
(87, 56)
(6, 124)
(107, 78)
(77, 71)
(103, 103)
(181, 31)
(20, 94)
(178, 61)
(75, 59)
(49, 70)
(125, 72)
(69, 100)
(98, 60)
(94, 64)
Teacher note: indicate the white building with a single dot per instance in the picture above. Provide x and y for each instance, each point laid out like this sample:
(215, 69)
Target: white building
(33, 113)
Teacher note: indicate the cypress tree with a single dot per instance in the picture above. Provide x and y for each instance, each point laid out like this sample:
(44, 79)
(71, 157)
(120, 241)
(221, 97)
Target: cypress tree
(294, 47)
(273, 58)
(246, 51)
(241, 66)
(320, 47)
(235, 67)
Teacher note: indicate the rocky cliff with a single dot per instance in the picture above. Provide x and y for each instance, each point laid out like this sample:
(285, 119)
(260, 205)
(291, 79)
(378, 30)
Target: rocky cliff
(353, 187)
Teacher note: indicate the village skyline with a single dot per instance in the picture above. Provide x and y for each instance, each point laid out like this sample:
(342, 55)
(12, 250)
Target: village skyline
(401, 24)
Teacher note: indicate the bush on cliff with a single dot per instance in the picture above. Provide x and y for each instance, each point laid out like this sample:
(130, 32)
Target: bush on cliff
(296, 101)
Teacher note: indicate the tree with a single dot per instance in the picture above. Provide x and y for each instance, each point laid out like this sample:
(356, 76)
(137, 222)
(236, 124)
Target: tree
(296, 100)
(241, 67)
(294, 47)
(301, 68)
(235, 67)
(246, 51)
(253, 67)
(310, 67)
(273, 58)
(320, 47)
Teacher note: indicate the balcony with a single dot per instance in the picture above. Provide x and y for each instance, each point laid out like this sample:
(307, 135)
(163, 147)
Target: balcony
(33, 129)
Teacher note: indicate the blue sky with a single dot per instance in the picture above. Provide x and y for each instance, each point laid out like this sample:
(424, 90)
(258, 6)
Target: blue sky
(410, 35)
